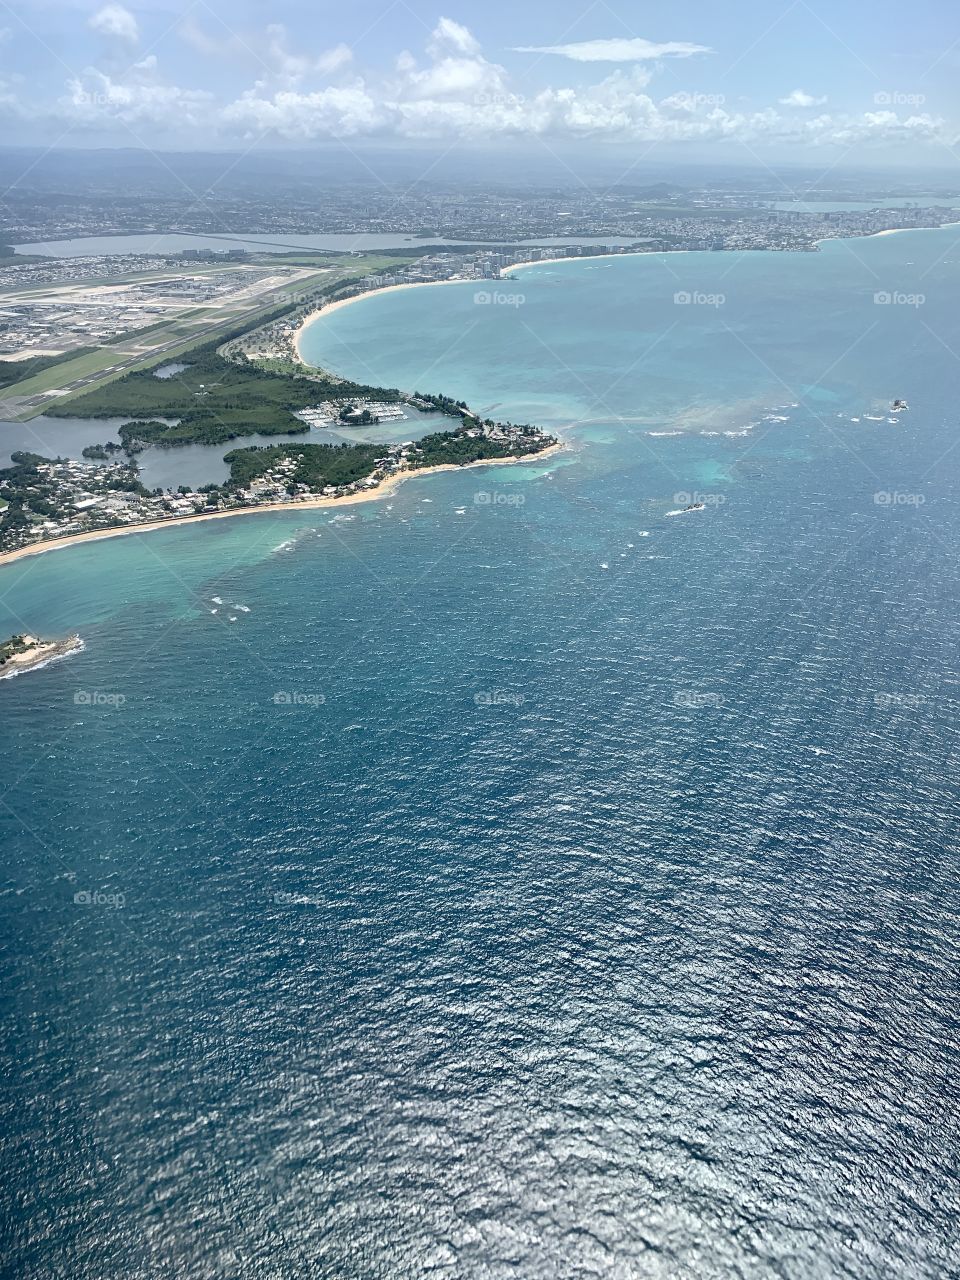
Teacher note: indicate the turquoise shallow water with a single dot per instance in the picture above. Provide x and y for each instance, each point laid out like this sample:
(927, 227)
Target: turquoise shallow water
(530, 882)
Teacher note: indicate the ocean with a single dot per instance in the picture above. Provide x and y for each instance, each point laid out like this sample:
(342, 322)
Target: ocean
(511, 877)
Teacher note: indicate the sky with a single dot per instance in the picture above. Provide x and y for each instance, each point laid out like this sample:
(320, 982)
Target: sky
(769, 79)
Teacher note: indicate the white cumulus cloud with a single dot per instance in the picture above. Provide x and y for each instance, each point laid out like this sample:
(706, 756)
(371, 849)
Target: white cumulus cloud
(798, 98)
(454, 92)
(117, 22)
(450, 37)
(294, 66)
(94, 98)
(623, 50)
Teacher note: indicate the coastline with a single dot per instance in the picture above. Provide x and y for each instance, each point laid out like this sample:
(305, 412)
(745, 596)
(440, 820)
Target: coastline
(433, 284)
(546, 262)
(592, 257)
(384, 490)
(42, 655)
(358, 297)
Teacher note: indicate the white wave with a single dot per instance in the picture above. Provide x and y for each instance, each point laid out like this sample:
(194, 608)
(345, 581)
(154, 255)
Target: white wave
(47, 662)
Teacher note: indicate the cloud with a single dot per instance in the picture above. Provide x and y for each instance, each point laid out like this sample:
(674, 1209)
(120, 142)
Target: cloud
(292, 67)
(334, 59)
(800, 99)
(328, 113)
(115, 21)
(455, 93)
(195, 36)
(95, 99)
(634, 50)
(269, 50)
(450, 37)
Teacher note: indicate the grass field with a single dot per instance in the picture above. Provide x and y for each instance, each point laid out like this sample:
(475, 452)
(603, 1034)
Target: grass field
(68, 371)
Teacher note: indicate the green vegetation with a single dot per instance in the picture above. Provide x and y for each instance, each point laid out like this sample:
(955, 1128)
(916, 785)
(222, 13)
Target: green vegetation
(318, 465)
(444, 404)
(13, 647)
(351, 416)
(214, 399)
(102, 452)
(31, 496)
(457, 448)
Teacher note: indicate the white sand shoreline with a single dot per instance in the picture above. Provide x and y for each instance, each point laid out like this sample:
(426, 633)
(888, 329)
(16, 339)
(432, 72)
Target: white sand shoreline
(478, 283)
(383, 490)
(329, 309)
(46, 652)
(591, 257)
(546, 262)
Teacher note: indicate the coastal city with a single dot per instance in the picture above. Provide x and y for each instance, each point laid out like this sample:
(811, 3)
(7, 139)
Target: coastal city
(43, 500)
(160, 340)
(500, 210)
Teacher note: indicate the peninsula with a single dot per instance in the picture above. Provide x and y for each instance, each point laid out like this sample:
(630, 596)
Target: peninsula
(51, 502)
(22, 653)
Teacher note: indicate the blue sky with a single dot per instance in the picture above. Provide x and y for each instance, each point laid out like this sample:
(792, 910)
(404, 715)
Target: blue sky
(783, 80)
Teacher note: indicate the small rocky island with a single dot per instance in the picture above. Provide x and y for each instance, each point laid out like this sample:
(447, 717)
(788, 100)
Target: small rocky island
(26, 653)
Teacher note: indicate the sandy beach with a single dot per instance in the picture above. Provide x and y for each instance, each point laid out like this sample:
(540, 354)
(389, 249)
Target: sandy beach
(42, 654)
(383, 490)
(433, 284)
(589, 257)
(358, 297)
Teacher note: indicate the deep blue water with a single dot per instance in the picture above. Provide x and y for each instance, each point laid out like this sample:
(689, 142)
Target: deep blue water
(531, 883)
